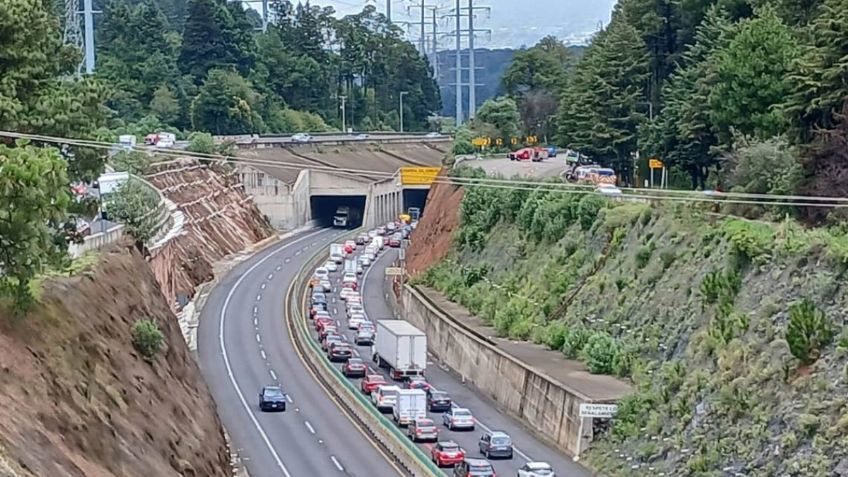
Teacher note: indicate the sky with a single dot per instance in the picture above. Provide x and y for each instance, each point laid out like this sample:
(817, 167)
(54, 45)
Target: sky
(511, 22)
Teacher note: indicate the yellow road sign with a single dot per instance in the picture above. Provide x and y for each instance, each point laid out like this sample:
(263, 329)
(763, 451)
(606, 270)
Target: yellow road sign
(481, 141)
(655, 164)
(418, 175)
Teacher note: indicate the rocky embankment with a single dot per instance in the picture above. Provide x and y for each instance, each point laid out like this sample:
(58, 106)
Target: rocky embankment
(218, 219)
(733, 332)
(76, 399)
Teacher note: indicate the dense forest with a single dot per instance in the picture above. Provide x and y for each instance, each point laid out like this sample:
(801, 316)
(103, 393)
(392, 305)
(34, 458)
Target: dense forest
(206, 65)
(746, 95)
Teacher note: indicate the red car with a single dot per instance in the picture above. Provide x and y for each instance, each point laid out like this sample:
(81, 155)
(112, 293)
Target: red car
(321, 322)
(447, 453)
(348, 249)
(355, 368)
(418, 382)
(371, 383)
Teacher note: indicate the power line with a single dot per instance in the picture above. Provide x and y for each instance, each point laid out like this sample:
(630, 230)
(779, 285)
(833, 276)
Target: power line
(670, 195)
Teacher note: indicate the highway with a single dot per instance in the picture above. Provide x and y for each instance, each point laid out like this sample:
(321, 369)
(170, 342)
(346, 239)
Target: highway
(244, 344)
(527, 448)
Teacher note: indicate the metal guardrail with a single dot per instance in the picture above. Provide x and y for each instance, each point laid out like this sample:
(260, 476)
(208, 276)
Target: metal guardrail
(390, 439)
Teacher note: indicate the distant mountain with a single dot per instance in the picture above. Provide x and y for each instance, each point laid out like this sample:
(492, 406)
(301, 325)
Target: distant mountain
(491, 64)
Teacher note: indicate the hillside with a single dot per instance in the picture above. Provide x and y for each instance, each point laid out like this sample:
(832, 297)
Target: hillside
(77, 399)
(693, 307)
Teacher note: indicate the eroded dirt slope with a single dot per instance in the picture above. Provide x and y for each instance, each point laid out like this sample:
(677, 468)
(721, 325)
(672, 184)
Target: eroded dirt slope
(433, 237)
(220, 219)
(77, 400)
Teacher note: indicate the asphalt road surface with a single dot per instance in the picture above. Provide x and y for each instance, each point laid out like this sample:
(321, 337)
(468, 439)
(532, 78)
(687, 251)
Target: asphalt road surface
(552, 167)
(244, 344)
(527, 448)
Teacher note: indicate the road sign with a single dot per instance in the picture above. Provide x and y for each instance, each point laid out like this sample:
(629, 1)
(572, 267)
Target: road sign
(598, 410)
(418, 175)
(394, 271)
(655, 164)
(481, 141)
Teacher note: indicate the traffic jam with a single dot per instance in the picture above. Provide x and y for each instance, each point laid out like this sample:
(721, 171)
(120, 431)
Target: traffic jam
(386, 360)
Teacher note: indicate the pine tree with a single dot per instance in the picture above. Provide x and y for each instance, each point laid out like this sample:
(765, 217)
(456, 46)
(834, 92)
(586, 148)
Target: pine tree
(820, 76)
(216, 35)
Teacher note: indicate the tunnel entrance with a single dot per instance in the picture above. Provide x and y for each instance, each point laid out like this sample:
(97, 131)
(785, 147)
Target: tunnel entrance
(325, 208)
(414, 198)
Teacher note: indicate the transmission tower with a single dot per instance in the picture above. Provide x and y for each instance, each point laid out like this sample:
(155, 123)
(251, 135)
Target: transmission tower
(460, 12)
(79, 36)
(73, 31)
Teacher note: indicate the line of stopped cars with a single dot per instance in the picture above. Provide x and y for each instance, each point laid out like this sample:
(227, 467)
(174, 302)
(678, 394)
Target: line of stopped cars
(400, 349)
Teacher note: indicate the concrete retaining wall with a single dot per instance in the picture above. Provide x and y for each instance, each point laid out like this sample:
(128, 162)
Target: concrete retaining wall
(544, 405)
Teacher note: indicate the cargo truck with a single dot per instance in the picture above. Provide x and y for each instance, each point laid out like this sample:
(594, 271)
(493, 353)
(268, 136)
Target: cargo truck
(400, 347)
(411, 404)
(337, 253)
(350, 266)
(346, 217)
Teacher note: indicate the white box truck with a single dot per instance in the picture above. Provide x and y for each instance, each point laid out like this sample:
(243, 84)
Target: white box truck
(400, 347)
(126, 141)
(350, 266)
(337, 252)
(411, 404)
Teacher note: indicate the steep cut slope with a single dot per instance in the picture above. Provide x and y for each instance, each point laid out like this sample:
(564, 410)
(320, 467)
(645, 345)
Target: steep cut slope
(76, 399)
(434, 235)
(694, 308)
(219, 219)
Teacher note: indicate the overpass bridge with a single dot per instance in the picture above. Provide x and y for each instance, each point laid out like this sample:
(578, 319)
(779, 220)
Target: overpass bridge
(295, 185)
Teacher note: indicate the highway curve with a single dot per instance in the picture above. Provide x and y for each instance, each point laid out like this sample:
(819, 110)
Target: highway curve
(244, 344)
(488, 416)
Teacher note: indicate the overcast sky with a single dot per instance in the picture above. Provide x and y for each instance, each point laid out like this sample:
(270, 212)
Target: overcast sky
(513, 22)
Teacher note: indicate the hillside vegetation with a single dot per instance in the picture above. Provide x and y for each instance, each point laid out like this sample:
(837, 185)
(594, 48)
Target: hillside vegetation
(733, 331)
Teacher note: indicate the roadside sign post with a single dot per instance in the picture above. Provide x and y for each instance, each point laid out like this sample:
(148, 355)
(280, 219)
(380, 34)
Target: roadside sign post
(656, 164)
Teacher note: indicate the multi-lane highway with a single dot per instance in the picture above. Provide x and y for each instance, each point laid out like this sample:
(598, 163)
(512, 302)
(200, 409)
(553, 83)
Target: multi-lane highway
(244, 344)
(527, 447)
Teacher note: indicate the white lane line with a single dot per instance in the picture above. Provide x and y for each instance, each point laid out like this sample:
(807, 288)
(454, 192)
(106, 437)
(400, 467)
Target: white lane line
(309, 426)
(259, 297)
(289, 399)
(355, 353)
(273, 374)
(255, 321)
(279, 267)
(336, 462)
(297, 252)
(255, 309)
(270, 276)
(262, 286)
(288, 259)
(262, 353)
(314, 243)
(453, 404)
(229, 367)
(258, 338)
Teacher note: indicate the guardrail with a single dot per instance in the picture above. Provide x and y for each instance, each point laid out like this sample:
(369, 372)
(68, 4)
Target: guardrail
(390, 439)
(267, 143)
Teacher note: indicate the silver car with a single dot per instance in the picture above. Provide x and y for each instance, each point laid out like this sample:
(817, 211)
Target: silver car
(423, 430)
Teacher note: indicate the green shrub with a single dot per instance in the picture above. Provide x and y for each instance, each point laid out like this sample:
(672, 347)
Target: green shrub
(587, 210)
(147, 338)
(751, 241)
(555, 334)
(600, 353)
(809, 331)
(643, 256)
(667, 257)
(718, 285)
(201, 142)
(575, 339)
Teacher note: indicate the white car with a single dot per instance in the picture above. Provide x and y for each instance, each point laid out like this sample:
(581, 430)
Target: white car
(359, 268)
(536, 469)
(356, 309)
(346, 293)
(322, 273)
(331, 266)
(353, 300)
(373, 233)
(355, 320)
(327, 286)
(337, 258)
(365, 260)
(433, 134)
(301, 137)
(350, 278)
(608, 189)
(391, 227)
(361, 137)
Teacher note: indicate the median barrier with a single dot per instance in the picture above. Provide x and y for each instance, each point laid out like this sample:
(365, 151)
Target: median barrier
(382, 431)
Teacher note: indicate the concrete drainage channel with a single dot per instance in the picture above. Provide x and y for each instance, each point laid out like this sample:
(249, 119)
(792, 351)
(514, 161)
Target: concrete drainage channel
(390, 441)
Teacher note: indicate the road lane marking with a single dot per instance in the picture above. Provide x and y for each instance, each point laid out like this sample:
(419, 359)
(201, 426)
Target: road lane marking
(255, 321)
(273, 374)
(270, 276)
(453, 404)
(309, 426)
(259, 297)
(229, 367)
(279, 267)
(255, 309)
(262, 286)
(336, 462)
(262, 352)
(258, 338)
(288, 259)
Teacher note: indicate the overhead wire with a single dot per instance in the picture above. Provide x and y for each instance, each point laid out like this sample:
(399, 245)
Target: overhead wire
(670, 195)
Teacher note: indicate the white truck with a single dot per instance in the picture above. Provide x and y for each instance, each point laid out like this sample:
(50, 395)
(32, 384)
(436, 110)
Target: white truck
(350, 266)
(126, 141)
(411, 404)
(380, 242)
(337, 252)
(400, 347)
(346, 217)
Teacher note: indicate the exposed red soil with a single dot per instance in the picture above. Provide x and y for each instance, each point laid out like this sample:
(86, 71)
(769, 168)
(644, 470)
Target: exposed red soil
(76, 399)
(432, 239)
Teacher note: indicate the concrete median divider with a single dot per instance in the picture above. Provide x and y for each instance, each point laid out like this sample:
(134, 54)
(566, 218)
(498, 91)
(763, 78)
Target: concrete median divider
(390, 441)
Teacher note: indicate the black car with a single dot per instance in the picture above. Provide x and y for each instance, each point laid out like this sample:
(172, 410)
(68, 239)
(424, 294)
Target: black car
(272, 398)
(339, 352)
(438, 401)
